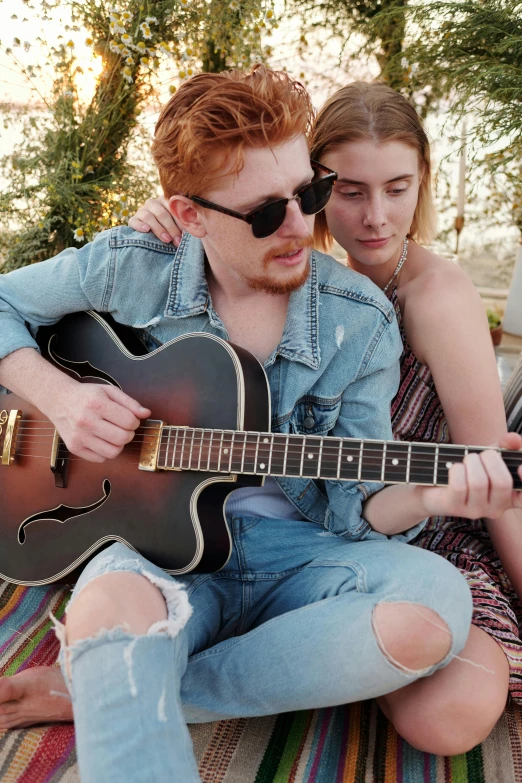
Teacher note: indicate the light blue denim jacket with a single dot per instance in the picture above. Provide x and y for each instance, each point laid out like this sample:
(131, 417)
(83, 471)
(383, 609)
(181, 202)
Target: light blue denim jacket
(335, 371)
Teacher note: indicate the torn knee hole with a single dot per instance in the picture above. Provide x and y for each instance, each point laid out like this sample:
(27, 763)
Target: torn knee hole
(412, 637)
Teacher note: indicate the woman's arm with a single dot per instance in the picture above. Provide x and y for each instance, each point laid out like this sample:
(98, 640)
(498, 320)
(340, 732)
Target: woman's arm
(481, 486)
(447, 329)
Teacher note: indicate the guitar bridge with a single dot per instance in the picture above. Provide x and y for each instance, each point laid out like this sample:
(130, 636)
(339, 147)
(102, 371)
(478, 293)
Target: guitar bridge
(11, 421)
(151, 444)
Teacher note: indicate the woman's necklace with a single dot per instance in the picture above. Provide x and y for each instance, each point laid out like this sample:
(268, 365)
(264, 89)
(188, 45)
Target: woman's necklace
(399, 266)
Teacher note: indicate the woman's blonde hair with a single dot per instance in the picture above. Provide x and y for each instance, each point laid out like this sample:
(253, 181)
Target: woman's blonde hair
(374, 111)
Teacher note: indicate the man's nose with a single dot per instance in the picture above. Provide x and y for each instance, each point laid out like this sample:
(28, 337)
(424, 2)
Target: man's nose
(296, 224)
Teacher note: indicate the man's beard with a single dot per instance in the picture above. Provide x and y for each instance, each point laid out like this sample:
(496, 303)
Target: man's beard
(271, 285)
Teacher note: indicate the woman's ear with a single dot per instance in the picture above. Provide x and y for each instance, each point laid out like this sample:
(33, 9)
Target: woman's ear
(186, 215)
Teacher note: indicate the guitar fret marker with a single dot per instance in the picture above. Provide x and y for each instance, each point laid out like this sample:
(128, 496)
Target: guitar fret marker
(449, 464)
(349, 458)
(310, 456)
(395, 461)
(262, 466)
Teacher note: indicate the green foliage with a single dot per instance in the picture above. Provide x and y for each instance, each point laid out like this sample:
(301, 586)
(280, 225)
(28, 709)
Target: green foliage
(472, 51)
(71, 175)
(494, 318)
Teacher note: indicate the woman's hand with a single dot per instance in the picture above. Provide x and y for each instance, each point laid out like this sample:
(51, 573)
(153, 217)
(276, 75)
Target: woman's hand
(481, 486)
(155, 216)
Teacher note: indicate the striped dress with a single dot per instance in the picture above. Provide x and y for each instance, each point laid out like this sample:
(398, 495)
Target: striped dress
(417, 415)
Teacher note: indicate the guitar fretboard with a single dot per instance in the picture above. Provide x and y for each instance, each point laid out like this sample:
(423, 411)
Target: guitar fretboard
(311, 456)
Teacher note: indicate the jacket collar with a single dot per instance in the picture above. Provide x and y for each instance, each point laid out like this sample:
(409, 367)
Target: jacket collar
(189, 295)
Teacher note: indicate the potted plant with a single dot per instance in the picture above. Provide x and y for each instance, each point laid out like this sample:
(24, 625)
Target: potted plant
(495, 325)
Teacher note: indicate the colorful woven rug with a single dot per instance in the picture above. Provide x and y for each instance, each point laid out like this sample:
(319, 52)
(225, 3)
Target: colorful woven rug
(353, 744)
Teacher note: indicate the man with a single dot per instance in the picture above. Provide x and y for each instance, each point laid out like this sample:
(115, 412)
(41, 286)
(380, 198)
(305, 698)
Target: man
(322, 602)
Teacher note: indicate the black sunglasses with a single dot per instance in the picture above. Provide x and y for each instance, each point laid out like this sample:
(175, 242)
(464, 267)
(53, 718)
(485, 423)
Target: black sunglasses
(266, 220)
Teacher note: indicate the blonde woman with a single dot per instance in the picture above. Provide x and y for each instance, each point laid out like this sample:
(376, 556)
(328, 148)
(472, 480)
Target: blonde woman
(381, 212)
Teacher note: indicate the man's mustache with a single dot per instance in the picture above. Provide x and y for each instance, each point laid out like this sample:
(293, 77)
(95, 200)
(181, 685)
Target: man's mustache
(289, 247)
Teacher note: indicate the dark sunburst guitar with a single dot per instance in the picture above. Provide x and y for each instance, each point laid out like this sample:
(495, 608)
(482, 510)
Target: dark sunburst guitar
(164, 495)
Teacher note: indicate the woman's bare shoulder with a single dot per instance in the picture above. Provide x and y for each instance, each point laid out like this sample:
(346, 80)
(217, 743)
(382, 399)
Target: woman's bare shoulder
(435, 283)
(441, 307)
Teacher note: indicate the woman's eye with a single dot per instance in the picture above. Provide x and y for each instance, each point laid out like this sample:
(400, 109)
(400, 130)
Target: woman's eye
(398, 191)
(351, 193)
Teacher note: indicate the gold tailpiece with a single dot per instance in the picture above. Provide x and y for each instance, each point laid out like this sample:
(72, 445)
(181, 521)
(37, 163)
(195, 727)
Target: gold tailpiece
(11, 421)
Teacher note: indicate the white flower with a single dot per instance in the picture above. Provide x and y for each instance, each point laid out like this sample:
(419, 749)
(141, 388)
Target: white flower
(79, 235)
(415, 67)
(114, 47)
(129, 60)
(126, 52)
(114, 27)
(126, 38)
(126, 16)
(404, 63)
(234, 5)
(145, 30)
(151, 20)
(127, 74)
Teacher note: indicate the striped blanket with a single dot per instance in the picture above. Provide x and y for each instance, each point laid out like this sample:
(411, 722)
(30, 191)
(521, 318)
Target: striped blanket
(352, 744)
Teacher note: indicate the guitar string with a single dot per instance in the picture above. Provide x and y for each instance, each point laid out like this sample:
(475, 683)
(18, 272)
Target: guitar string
(254, 434)
(339, 474)
(394, 449)
(166, 460)
(415, 465)
(313, 439)
(292, 459)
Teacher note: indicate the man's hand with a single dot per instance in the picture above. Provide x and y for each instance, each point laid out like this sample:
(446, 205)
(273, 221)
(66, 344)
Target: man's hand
(95, 421)
(155, 216)
(481, 486)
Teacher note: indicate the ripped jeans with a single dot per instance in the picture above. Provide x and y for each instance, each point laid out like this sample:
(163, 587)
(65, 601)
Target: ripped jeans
(286, 625)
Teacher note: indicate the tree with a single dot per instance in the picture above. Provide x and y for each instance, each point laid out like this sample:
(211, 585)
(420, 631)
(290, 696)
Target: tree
(71, 175)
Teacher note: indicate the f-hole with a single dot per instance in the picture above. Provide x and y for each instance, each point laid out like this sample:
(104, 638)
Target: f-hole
(63, 513)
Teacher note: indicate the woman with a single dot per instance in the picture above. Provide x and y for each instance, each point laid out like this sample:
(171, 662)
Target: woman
(380, 211)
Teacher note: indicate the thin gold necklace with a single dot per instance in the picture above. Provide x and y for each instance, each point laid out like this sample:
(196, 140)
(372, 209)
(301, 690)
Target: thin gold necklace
(399, 266)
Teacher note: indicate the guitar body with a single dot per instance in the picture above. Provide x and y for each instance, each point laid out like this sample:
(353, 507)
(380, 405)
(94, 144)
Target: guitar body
(174, 518)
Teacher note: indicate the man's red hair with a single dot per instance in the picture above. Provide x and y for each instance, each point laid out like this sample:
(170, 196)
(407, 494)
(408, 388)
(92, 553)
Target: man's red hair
(205, 127)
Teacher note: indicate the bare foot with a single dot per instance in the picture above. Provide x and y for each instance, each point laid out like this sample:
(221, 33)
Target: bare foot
(36, 695)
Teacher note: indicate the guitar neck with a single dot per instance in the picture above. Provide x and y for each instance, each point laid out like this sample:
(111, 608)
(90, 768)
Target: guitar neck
(311, 456)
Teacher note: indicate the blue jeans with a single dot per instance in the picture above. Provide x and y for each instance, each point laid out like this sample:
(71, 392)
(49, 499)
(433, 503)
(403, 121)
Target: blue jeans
(286, 625)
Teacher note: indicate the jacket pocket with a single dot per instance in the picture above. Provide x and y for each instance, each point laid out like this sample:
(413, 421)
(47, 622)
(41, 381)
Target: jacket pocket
(313, 417)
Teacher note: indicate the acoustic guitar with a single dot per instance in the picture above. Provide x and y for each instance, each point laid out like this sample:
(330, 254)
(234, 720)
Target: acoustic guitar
(165, 494)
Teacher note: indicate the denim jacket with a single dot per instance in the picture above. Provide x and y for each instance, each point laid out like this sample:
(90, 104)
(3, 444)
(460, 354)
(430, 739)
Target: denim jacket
(334, 372)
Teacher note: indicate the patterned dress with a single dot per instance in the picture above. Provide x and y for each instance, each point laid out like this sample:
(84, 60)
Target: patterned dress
(417, 415)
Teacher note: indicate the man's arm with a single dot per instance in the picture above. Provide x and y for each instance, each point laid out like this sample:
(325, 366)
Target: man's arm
(94, 421)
